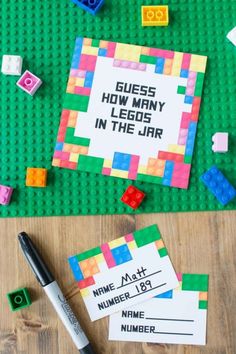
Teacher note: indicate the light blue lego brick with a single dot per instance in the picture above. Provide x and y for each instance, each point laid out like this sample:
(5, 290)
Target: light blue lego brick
(121, 161)
(184, 73)
(73, 261)
(169, 168)
(166, 295)
(88, 79)
(59, 146)
(102, 52)
(218, 184)
(121, 254)
(77, 53)
(159, 66)
(188, 99)
(190, 139)
(92, 6)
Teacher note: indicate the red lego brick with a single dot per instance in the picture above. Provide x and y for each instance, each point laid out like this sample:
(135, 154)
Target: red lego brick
(133, 197)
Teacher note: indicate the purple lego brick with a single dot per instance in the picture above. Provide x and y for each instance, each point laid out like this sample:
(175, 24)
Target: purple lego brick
(29, 82)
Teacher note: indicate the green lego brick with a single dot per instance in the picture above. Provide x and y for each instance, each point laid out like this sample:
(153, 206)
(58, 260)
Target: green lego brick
(90, 164)
(203, 304)
(181, 90)
(28, 137)
(195, 282)
(147, 178)
(187, 159)
(19, 299)
(199, 85)
(147, 59)
(76, 102)
(147, 235)
(163, 252)
(88, 254)
(95, 43)
(72, 139)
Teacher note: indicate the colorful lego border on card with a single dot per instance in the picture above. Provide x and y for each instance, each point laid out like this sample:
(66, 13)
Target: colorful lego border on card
(112, 254)
(171, 167)
(191, 282)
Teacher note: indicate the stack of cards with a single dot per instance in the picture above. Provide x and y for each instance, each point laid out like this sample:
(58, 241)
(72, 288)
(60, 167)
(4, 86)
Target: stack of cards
(132, 279)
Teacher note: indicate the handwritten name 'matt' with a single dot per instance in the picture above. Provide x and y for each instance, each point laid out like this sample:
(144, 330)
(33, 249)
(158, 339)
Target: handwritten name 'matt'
(129, 278)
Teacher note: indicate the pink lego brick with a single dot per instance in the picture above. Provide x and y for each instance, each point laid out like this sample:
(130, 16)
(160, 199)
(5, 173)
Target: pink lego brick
(108, 255)
(129, 237)
(106, 171)
(5, 194)
(29, 83)
(87, 62)
(186, 61)
(220, 142)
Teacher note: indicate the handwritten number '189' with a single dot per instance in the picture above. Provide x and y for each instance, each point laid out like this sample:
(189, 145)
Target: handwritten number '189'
(144, 286)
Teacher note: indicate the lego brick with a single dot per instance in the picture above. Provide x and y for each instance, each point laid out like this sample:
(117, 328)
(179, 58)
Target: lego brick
(11, 65)
(220, 142)
(155, 15)
(232, 36)
(144, 236)
(91, 6)
(29, 83)
(218, 184)
(121, 254)
(73, 261)
(36, 177)
(195, 282)
(133, 197)
(5, 194)
(19, 299)
(76, 102)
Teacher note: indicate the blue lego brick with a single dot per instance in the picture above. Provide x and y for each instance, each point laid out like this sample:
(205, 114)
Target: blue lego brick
(184, 73)
(77, 53)
(188, 99)
(121, 254)
(121, 161)
(73, 261)
(190, 139)
(218, 184)
(88, 79)
(169, 167)
(102, 52)
(159, 65)
(166, 295)
(59, 146)
(92, 6)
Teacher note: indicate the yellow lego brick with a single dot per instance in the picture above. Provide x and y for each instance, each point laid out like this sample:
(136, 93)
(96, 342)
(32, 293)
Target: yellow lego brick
(36, 177)
(198, 63)
(87, 41)
(132, 245)
(116, 243)
(155, 15)
(56, 162)
(168, 66)
(159, 244)
(142, 169)
(119, 173)
(90, 50)
(203, 295)
(70, 88)
(127, 52)
(73, 157)
(80, 81)
(99, 258)
(177, 62)
(103, 44)
(177, 149)
(145, 50)
(107, 163)
(84, 292)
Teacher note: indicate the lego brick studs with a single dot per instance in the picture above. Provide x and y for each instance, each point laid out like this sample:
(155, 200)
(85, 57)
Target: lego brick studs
(155, 15)
(11, 65)
(19, 299)
(36, 177)
(133, 197)
(29, 83)
(5, 194)
(220, 142)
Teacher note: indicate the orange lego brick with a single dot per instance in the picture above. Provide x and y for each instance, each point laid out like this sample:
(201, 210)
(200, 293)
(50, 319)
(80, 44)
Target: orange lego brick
(36, 177)
(155, 15)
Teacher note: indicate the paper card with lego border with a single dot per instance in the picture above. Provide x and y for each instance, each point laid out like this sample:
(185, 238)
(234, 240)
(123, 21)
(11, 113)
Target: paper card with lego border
(177, 316)
(123, 272)
(136, 107)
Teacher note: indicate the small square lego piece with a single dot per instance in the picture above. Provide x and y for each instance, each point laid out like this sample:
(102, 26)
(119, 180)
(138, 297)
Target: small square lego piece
(11, 64)
(29, 82)
(19, 299)
(5, 194)
(155, 15)
(220, 142)
(133, 197)
(92, 6)
(232, 36)
(216, 182)
(36, 177)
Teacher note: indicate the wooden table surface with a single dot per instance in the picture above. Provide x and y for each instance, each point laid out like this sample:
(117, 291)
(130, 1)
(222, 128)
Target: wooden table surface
(197, 242)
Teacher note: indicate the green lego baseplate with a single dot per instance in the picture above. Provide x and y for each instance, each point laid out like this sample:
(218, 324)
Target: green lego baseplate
(44, 33)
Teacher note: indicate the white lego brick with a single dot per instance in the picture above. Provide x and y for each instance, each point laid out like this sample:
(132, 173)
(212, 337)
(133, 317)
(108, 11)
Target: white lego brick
(11, 65)
(232, 36)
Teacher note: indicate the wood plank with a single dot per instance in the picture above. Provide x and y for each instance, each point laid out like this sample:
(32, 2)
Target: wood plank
(197, 242)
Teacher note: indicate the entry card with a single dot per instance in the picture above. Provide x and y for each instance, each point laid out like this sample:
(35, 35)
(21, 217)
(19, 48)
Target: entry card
(123, 272)
(177, 316)
(131, 111)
